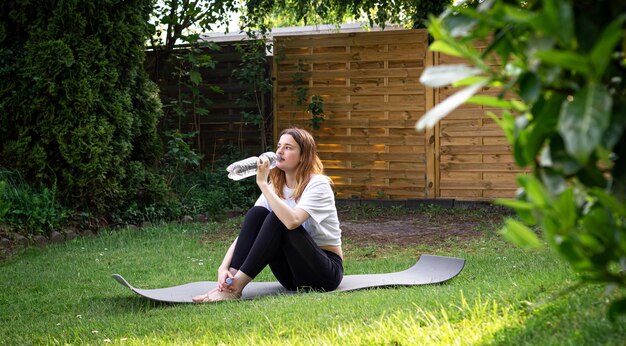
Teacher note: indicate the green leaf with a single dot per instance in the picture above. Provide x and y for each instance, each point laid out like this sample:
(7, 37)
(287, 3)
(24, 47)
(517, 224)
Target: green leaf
(534, 191)
(435, 26)
(565, 208)
(520, 135)
(195, 77)
(560, 16)
(552, 180)
(567, 60)
(515, 14)
(617, 308)
(609, 201)
(472, 80)
(559, 159)
(591, 175)
(515, 204)
(496, 102)
(530, 87)
(507, 123)
(520, 235)
(599, 224)
(567, 249)
(584, 119)
(544, 123)
(459, 25)
(601, 53)
(590, 243)
(443, 47)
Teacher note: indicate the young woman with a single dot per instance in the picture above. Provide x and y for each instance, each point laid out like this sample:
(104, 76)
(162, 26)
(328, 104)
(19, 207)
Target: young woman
(293, 226)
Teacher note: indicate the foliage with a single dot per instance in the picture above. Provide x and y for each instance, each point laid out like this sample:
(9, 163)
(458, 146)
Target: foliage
(190, 101)
(300, 90)
(210, 191)
(316, 109)
(564, 62)
(176, 41)
(28, 210)
(179, 155)
(152, 198)
(178, 21)
(409, 12)
(77, 110)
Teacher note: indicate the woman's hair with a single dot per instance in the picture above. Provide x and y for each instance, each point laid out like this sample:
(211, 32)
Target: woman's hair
(310, 163)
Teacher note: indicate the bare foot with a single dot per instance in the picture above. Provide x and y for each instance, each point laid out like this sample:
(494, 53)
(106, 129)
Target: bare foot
(203, 298)
(218, 296)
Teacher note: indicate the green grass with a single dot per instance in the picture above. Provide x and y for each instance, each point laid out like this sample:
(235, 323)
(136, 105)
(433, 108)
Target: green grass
(64, 294)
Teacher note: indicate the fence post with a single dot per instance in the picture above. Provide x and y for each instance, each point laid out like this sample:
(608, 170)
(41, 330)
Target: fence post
(431, 139)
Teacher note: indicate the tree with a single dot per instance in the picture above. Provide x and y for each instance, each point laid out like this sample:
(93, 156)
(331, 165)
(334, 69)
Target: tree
(176, 22)
(77, 110)
(178, 51)
(410, 12)
(565, 62)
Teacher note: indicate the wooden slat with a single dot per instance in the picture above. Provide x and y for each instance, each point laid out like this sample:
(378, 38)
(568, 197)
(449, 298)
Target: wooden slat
(285, 91)
(480, 167)
(356, 156)
(398, 72)
(359, 106)
(352, 39)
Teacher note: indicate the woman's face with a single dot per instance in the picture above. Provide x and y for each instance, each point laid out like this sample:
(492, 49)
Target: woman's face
(289, 152)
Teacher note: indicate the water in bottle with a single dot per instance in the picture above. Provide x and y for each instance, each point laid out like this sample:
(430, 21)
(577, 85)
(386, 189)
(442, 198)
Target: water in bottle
(247, 167)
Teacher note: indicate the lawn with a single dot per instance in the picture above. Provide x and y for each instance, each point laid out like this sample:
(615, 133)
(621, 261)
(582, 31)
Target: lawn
(64, 294)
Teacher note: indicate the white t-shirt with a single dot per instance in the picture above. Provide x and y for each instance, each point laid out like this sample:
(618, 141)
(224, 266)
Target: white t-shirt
(318, 201)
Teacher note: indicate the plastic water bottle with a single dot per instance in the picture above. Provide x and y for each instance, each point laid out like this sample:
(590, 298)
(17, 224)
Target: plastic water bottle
(247, 167)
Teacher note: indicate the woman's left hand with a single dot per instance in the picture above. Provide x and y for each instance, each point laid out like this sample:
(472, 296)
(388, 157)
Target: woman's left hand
(262, 171)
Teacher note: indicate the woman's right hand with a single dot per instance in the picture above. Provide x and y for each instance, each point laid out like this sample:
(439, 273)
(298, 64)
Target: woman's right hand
(222, 275)
(263, 171)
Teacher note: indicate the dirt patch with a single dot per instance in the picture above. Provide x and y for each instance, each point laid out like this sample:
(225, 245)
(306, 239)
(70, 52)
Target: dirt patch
(419, 227)
(364, 225)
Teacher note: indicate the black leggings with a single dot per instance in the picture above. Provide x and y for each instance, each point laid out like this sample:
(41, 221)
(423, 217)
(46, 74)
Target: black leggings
(294, 258)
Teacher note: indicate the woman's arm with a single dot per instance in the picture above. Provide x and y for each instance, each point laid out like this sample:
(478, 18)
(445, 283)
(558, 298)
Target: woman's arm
(228, 257)
(290, 217)
(223, 272)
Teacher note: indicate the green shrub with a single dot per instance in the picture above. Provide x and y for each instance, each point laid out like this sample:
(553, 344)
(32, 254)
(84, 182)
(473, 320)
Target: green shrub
(28, 210)
(151, 198)
(210, 191)
(77, 110)
(565, 62)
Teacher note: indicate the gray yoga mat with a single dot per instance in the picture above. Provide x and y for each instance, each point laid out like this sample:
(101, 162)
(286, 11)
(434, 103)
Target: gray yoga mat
(429, 269)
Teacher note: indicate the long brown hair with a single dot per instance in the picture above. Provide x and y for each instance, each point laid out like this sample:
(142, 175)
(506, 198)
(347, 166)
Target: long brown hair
(310, 163)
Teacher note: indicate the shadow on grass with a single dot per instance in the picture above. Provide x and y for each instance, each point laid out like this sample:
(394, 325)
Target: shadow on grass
(567, 320)
(136, 303)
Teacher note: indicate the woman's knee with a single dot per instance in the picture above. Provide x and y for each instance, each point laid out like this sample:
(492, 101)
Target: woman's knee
(256, 214)
(272, 220)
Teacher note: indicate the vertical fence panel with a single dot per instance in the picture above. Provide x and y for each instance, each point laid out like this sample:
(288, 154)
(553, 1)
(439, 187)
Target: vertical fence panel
(224, 124)
(475, 157)
(369, 83)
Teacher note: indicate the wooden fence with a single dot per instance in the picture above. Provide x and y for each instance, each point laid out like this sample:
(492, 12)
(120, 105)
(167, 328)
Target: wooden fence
(224, 124)
(372, 98)
(472, 157)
